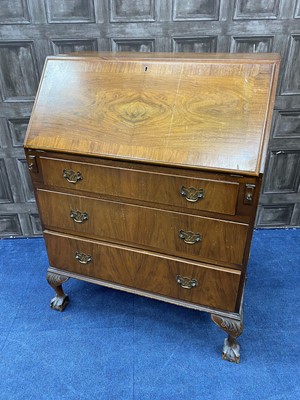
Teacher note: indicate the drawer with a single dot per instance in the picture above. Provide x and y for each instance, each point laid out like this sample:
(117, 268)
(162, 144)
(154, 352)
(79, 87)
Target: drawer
(211, 286)
(165, 189)
(185, 235)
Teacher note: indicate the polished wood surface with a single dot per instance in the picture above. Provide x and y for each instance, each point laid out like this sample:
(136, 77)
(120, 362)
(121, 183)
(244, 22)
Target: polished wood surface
(182, 57)
(221, 241)
(198, 113)
(146, 186)
(217, 287)
(244, 212)
(146, 173)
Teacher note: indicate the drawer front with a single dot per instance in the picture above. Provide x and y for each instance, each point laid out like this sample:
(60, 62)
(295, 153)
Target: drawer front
(181, 191)
(210, 286)
(185, 235)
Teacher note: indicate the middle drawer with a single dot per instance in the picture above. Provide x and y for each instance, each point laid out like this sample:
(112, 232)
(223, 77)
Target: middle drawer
(185, 235)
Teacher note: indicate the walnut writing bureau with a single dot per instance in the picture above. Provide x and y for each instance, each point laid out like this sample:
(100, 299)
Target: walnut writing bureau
(147, 170)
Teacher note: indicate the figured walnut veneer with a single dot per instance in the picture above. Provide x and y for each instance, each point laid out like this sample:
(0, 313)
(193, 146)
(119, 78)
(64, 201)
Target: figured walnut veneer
(138, 184)
(174, 112)
(147, 171)
(217, 287)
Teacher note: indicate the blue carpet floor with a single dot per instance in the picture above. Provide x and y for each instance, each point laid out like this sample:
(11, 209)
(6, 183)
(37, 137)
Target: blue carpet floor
(113, 345)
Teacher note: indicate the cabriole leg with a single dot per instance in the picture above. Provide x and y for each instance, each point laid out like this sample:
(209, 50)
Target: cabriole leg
(234, 328)
(61, 300)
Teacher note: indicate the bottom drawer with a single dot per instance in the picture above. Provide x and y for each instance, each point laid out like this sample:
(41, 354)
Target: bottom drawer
(212, 286)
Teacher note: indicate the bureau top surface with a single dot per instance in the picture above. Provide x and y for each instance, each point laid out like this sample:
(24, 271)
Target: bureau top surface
(201, 111)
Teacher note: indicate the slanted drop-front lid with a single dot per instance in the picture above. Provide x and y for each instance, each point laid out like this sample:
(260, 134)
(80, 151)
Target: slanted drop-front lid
(207, 112)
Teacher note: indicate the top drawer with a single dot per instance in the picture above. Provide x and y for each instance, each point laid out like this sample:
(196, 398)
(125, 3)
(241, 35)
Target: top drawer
(155, 187)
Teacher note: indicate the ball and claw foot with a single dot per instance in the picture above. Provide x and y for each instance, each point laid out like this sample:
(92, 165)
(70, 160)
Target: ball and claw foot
(234, 328)
(231, 350)
(61, 300)
(59, 303)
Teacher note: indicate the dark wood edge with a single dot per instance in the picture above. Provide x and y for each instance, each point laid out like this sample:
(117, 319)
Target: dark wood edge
(268, 119)
(239, 302)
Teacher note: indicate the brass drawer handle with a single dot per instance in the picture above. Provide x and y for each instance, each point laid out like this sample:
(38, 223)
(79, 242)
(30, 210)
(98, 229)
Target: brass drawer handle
(185, 282)
(83, 258)
(78, 216)
(190, 237)
(72, 176)
(191, 194)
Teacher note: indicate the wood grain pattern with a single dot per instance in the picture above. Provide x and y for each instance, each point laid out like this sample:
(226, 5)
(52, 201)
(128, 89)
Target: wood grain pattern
(197, 113)
(222, 241)
(217, 287)
(243, 213)
(128, 140)
(146, 186)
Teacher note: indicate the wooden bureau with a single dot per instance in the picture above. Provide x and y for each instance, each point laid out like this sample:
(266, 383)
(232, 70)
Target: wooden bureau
(147, 170)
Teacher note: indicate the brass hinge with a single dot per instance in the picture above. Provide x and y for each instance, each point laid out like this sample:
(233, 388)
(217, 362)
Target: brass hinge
(249, 193)
(32, 164)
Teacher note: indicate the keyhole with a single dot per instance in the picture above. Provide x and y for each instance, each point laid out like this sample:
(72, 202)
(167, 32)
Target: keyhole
(146, 69)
